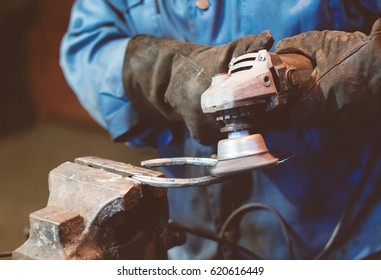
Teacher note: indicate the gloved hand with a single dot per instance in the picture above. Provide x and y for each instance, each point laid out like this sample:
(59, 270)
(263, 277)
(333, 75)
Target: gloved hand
(165, 78)
(347, 77)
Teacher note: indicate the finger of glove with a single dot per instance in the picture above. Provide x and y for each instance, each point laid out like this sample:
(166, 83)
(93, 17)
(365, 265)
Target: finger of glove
(321, 45)
(376, 27)
(318, 45)
(305, 43)
(252, 43)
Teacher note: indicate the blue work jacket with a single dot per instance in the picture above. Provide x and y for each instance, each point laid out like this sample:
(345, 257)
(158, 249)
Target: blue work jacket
(331, 181)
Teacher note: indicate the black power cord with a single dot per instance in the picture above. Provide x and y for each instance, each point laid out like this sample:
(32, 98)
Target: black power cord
(286, 229)
(221, 241)
(241, 211)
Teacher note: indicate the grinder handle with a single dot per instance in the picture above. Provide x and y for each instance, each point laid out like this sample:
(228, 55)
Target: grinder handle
(299, 69)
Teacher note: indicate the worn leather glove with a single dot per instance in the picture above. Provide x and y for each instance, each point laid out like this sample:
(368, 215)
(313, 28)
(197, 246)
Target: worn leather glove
(164, 79)
(347, 78)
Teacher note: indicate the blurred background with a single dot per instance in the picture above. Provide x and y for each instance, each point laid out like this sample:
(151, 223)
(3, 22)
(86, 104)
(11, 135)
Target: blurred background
(41, 122)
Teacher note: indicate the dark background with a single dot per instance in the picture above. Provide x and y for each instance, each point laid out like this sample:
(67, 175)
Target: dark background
(33, 86)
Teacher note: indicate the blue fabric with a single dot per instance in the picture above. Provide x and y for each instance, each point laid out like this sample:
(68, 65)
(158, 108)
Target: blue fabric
(311, 191)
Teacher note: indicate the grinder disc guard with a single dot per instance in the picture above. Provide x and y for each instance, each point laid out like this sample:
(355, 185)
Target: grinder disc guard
(239, 154)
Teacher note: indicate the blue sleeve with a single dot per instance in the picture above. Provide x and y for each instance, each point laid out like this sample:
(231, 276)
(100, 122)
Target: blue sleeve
(91, 56)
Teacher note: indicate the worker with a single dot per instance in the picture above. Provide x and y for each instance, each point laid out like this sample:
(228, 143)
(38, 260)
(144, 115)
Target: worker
(140, 67)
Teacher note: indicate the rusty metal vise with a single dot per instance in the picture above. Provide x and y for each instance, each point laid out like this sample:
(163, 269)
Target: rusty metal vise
(97, 210)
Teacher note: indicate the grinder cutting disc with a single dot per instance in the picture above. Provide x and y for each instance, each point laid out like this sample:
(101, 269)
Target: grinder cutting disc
(244, 153)
(238, 165)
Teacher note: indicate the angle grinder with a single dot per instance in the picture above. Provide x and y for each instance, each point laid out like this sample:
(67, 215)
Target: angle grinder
(255, 83)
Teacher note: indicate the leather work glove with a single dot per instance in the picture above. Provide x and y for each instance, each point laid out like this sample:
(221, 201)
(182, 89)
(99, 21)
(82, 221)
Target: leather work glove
(164, 79)
(346, 82)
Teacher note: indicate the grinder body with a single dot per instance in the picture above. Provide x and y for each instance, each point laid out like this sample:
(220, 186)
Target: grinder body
(255, 84)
